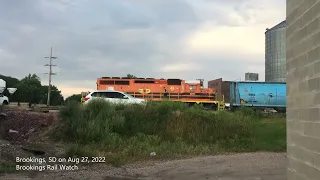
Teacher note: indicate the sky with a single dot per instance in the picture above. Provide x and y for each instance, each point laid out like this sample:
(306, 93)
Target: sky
(186, 39)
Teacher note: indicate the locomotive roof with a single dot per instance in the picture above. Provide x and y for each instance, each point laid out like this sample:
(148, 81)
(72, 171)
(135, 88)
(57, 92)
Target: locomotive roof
(126, 78)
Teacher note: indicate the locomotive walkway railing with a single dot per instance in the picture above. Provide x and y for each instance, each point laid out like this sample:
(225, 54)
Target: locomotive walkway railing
(174, 96)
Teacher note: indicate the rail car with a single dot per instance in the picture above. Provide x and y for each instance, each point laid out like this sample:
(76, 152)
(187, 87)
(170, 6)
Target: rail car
(190, 92)
(258, 95)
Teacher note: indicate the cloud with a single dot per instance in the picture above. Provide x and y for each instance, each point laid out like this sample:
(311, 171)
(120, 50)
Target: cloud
(219, 39)
(161, 38)
(179, 67)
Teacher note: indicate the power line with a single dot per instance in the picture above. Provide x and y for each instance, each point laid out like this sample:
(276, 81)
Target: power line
(50, 74)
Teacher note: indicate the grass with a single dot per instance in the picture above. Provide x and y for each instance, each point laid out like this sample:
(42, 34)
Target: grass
(7, 166)
(270, 135)
(123, 133)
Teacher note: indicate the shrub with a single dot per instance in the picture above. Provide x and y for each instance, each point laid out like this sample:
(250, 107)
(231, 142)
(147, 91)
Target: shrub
(170, 128)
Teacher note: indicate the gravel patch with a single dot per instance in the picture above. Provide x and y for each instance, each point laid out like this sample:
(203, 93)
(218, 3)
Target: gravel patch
(247, 166)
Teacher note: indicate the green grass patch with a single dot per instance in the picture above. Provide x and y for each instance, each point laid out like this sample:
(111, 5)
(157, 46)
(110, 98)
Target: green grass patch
(7, 166)
(122, 133)
(270, 135)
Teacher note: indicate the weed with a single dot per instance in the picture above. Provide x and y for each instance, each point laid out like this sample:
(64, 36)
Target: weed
(171, 129)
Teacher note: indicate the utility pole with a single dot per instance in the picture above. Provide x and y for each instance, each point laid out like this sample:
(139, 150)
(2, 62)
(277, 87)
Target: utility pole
(50, 74)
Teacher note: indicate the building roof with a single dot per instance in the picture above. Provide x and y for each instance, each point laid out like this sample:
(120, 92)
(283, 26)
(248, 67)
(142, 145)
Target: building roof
(259, 82)
(278, 26)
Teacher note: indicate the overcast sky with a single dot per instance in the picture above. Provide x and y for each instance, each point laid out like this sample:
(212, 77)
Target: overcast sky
(187, 39)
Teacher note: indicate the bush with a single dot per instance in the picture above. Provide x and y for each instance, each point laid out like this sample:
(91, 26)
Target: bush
(169, 128)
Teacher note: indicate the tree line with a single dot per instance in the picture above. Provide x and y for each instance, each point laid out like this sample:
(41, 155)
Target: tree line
(30, 89)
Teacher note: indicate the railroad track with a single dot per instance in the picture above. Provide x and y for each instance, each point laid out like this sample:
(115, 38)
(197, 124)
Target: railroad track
(50, 107)
(44, 109)
(47, 109)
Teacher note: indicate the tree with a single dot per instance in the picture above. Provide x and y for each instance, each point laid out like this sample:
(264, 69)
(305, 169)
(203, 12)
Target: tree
(10, 81)
(56, 97)
(131, 76)
(74, 97)
(29, 89)
(21, 95)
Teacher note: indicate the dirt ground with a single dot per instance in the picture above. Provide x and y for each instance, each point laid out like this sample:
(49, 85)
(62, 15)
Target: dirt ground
(249, 166)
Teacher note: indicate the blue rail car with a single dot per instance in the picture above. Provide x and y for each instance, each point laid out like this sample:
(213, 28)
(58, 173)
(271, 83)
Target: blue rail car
(258, 94)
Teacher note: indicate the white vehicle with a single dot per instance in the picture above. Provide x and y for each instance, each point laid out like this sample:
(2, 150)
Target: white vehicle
(4, 100)
(2, 85)
(112, 96)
